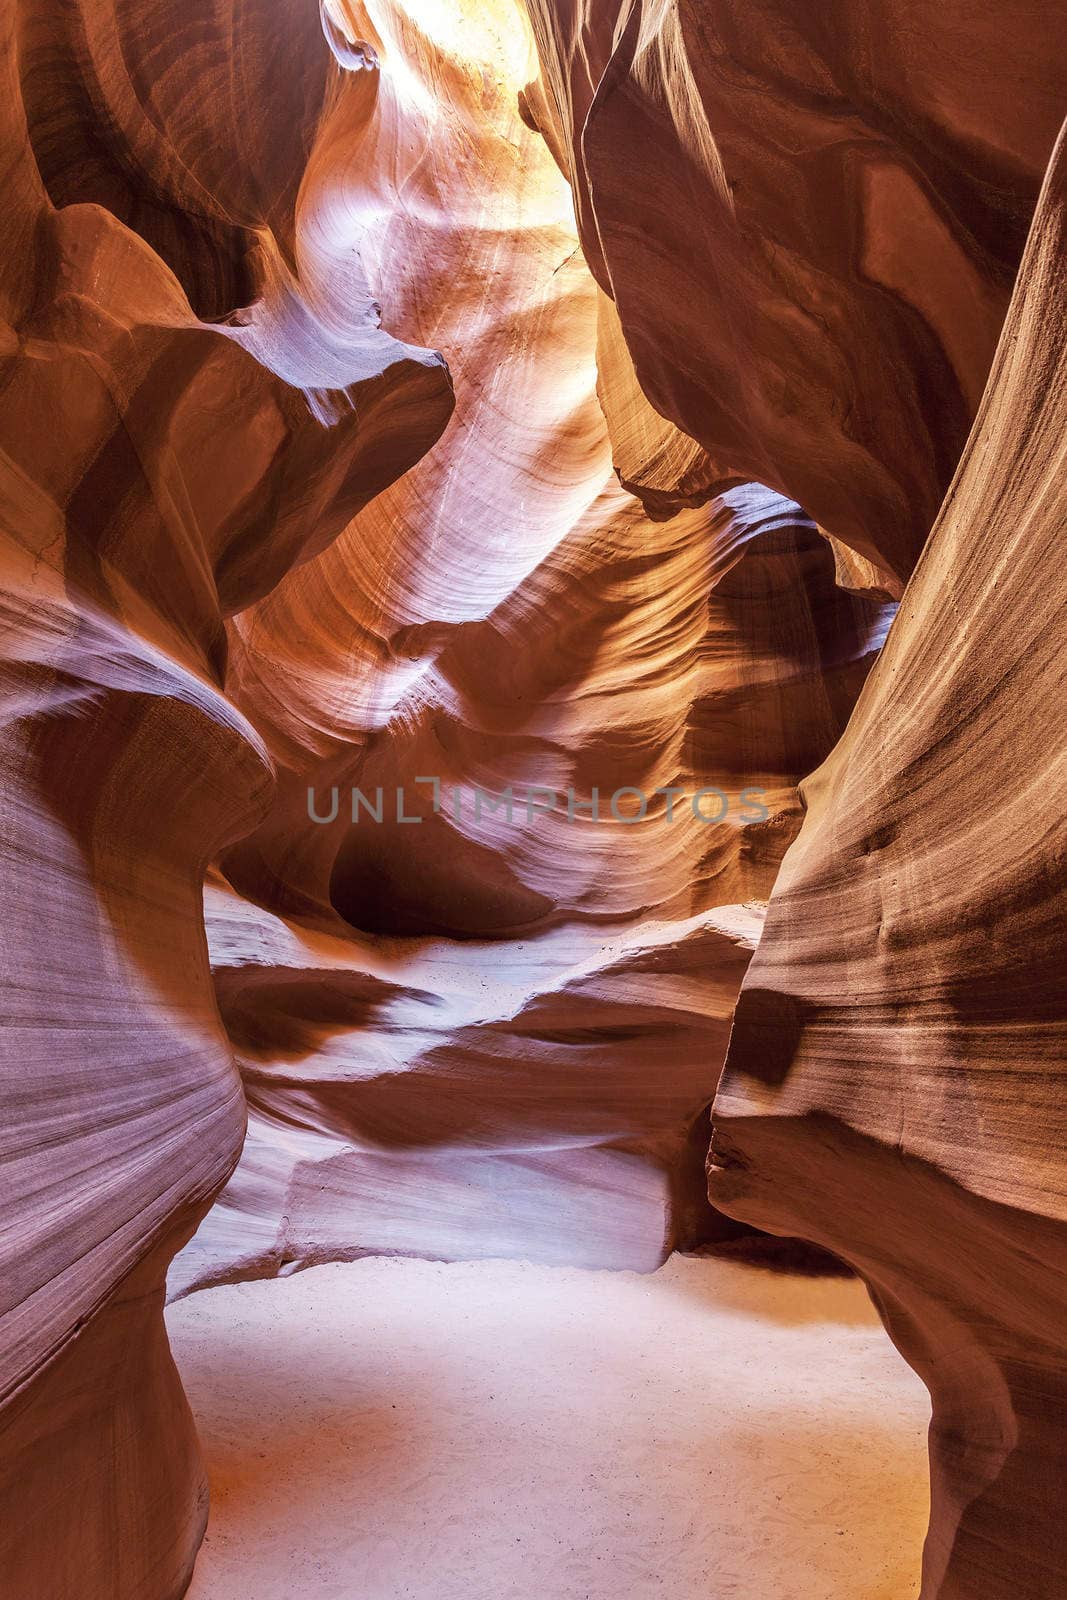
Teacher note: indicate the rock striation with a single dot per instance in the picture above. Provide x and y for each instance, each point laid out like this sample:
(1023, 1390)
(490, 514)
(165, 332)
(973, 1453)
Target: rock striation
(487, 1037)
(894, 1088)
(809, 219)
(488, 1026)
(456, 478)
(166, 294)
(810, 225)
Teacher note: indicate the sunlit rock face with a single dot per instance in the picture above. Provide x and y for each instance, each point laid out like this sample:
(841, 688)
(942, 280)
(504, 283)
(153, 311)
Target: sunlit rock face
(489, 1028)
(159, 471)
(469, 1035)
(895, 1083)
(810, 221)
(809, 218)
(338, 458)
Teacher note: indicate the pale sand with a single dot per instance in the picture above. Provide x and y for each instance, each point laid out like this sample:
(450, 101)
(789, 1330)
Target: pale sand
(404, 1430)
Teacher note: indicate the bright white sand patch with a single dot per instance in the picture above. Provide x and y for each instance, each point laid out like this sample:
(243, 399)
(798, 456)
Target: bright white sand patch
(405, 1430)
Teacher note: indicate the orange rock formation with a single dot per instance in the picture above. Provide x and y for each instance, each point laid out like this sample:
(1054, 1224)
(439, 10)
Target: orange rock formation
(348, 446)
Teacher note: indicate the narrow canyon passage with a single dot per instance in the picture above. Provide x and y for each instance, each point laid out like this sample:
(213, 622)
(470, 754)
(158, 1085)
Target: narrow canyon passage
(532, 769)
(410, 1430)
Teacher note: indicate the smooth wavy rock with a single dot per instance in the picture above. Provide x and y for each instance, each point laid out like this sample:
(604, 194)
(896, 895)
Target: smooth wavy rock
(508, 618)
(367, 1084)
(895, 1082)
(253, 546)
(157, 471)
(809, 218)
(433, 1098)
(663, 467)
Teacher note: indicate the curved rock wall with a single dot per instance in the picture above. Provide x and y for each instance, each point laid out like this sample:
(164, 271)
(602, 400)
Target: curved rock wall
(496, 1038)
(809, 218)
(158, 471)
(895, 1082)
(507, 620)
(245, 553)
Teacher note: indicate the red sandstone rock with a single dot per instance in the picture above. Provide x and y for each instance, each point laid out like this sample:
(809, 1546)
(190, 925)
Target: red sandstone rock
(895, 1082)
(158, 472)
(506, 616)
(241, 554)
(809, 218)
(809, 225)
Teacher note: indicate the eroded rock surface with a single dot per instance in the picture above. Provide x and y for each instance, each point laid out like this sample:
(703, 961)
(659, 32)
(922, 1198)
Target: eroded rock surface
(489, 1036)
(810, 222)
(895, 1083)
(809, 218)
(245, 554)
(507, 620)
(158, 472)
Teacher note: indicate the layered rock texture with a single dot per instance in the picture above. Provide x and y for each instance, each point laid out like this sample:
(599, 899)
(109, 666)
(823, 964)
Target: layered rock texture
(810, 225)
(472, 1016)
(461, 592)
(167, 292)
(895, 1084)
(809, 219)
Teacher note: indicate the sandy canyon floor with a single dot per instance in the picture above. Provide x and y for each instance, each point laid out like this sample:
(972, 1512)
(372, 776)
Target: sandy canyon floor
(405, 1430)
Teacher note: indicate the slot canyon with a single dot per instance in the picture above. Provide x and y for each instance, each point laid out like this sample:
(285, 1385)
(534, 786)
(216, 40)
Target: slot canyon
(532, 800)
